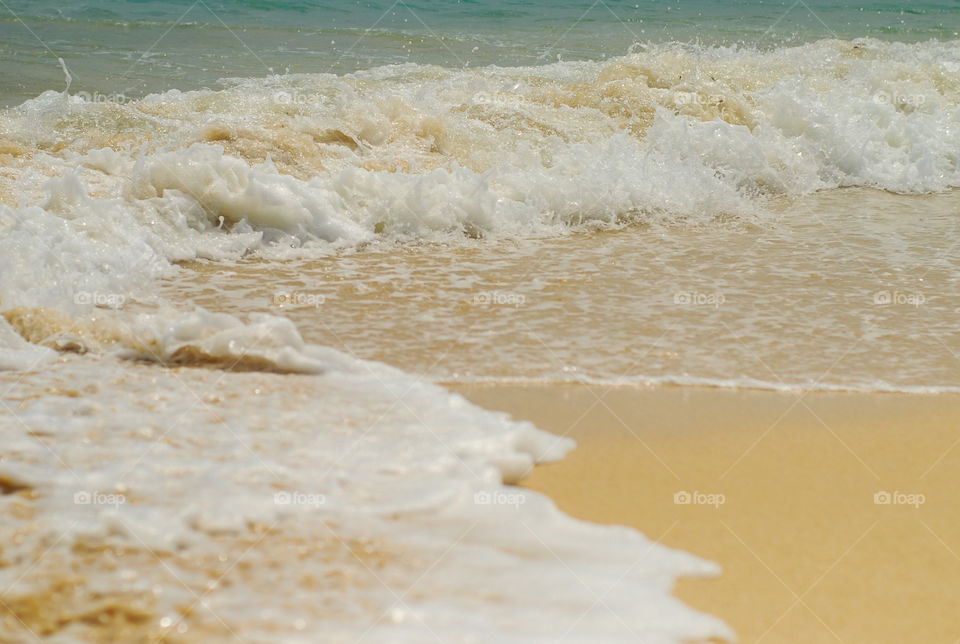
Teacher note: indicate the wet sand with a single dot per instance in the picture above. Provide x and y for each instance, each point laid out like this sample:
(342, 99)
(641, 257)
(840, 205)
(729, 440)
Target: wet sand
(834, 516)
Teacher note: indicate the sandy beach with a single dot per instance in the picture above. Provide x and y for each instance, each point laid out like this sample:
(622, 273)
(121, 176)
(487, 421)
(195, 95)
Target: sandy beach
(832, 515)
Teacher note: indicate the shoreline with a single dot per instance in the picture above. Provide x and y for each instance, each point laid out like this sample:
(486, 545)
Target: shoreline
(833, 515)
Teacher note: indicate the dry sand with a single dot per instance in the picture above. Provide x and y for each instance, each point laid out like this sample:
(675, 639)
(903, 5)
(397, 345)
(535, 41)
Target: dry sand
(809, 555)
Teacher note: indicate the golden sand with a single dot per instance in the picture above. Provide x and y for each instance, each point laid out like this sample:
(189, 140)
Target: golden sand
(781, 490)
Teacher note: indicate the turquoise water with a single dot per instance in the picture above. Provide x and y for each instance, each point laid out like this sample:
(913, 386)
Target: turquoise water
(118, 48)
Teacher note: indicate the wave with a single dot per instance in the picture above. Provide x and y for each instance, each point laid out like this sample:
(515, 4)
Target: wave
(100, 196)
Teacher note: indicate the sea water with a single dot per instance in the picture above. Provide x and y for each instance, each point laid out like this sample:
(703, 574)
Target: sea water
(126, 49)
(242, 245)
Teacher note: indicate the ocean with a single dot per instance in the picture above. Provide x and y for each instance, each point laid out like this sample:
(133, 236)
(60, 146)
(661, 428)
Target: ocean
(244, 246)
(119, 49)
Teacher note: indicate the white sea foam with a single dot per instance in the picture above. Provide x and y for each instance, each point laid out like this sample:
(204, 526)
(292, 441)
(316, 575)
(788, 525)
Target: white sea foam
(16, 354)
(675, 134)
(228, 188)
(273, 502)
(672, 132)
(792, 387)
(413, 149)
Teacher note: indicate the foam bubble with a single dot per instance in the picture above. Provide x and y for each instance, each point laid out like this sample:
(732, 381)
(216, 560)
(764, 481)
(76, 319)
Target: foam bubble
(301, 508)
(676, 133)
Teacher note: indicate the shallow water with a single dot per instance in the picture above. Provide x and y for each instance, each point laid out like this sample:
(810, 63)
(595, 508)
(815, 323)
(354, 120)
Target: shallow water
(851, 289)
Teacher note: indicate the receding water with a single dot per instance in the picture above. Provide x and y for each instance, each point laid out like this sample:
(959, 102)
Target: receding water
(850, 289)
